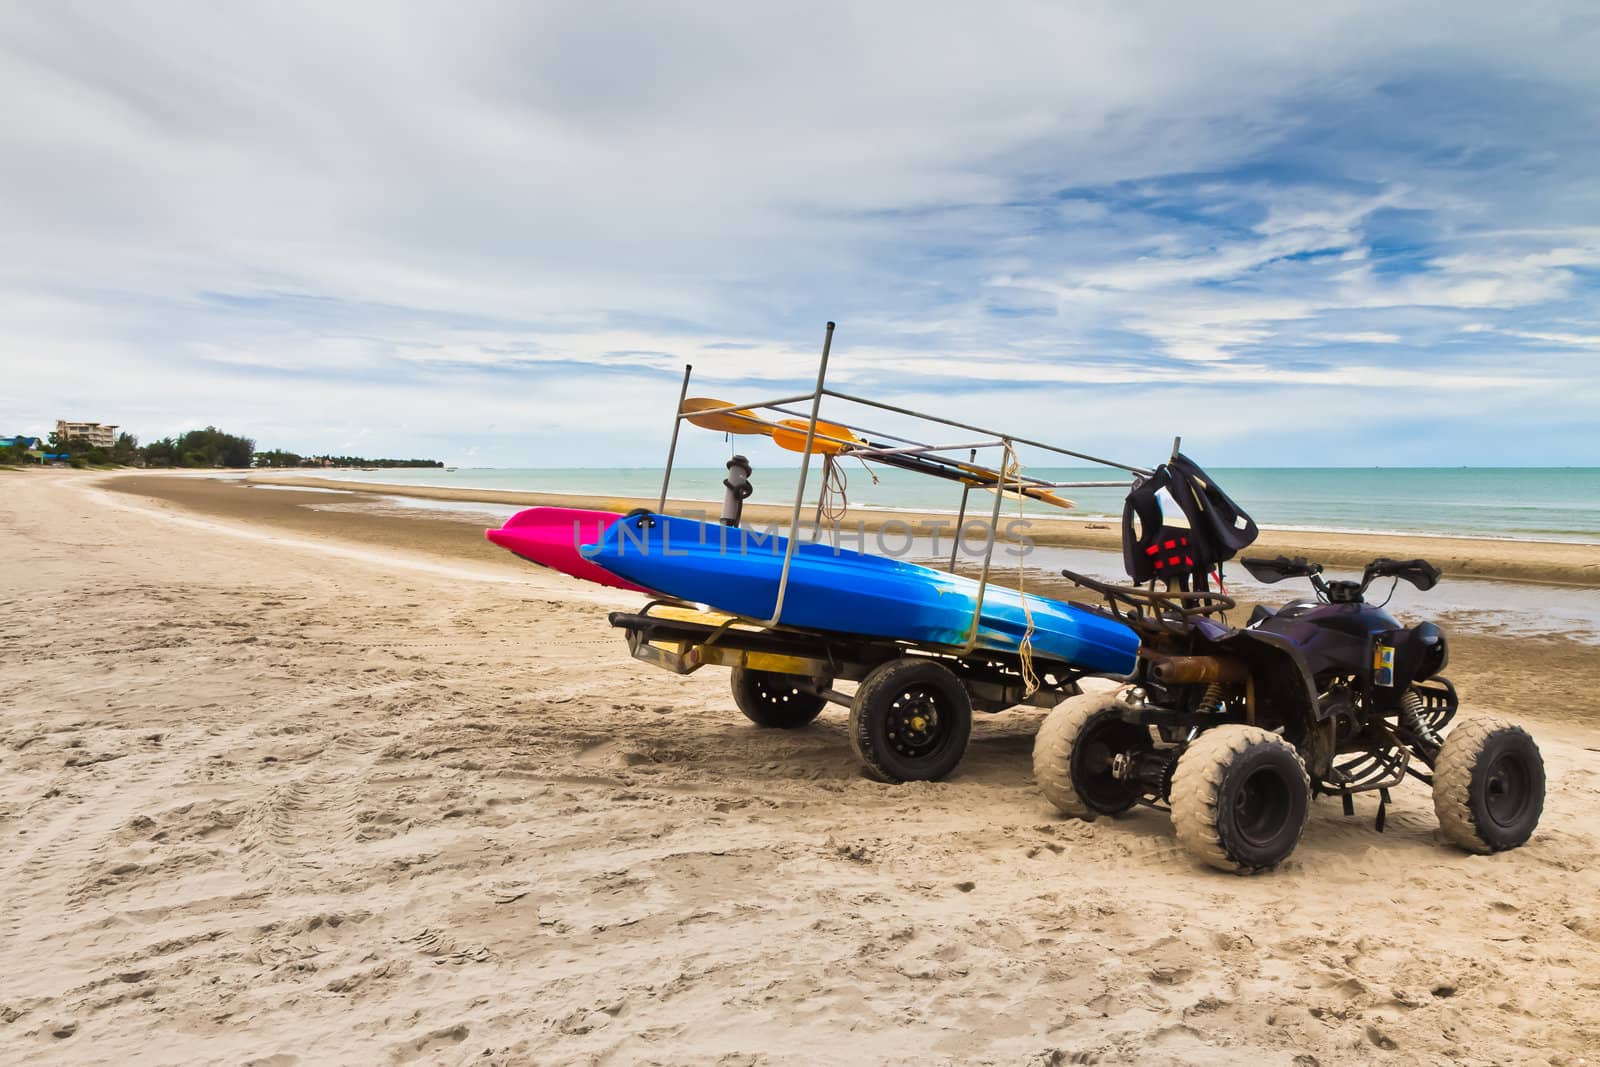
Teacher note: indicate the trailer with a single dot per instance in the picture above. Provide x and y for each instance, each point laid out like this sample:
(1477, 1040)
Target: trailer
(912, 704)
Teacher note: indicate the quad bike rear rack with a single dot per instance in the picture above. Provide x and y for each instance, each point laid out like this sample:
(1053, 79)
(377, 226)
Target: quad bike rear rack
(1155, 612)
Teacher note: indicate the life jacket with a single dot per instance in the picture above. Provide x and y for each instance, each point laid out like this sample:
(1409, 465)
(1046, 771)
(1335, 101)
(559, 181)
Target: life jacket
(1218, 528)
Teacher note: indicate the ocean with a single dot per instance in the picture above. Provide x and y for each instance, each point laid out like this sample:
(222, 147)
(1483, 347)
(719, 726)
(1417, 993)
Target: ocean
(1519, 503)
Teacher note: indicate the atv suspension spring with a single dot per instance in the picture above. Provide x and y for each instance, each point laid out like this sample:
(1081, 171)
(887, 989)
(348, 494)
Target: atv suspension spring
(1411, 709)
(1210, 704)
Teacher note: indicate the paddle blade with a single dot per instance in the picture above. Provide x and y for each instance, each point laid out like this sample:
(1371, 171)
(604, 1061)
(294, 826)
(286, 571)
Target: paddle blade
(830, 440)
(1046, 496)
(740, 421)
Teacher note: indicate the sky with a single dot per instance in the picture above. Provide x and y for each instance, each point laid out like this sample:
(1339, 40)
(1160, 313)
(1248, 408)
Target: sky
(493, 234)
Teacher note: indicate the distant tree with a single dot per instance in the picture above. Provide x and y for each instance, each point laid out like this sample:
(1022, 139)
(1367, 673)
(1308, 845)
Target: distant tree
(209, 447)
(360, 461)
(81, 452)
(126, 450)
(277, 457)
(161, 453)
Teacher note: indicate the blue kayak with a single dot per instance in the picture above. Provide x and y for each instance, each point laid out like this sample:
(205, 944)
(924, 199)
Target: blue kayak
(737, 571)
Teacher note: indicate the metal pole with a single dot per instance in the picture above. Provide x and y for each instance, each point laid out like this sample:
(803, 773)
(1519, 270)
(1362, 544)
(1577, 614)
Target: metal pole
(979, 429)
(672, 449)
(1085, 485)
(871, 452)
(983, 579)
(961, 517)
(916, 445)
(805, 467)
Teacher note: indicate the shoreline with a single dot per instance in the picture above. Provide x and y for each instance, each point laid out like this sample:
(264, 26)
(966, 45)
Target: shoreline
(1076, 515)
(1541, 562)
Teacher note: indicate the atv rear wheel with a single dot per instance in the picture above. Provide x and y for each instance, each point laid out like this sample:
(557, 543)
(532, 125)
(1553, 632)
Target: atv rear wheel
(1488, 785)
(1240, 797)
(910, 721)
(1073, 753)
(773, 700)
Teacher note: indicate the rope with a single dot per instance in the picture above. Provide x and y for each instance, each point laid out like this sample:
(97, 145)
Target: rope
(1030, 679)
(835, 498)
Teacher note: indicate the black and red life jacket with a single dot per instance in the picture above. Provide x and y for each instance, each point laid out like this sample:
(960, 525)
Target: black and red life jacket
(1218, 528)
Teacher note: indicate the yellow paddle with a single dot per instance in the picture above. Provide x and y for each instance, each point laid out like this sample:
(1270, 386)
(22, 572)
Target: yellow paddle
(740, 421)
(833, 439)
(829, 440)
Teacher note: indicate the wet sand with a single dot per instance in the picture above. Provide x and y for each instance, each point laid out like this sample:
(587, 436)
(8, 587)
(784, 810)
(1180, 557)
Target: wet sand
(287, 785)
(1555, 669)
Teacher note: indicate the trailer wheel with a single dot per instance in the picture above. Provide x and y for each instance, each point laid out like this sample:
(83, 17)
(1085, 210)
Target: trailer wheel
(1488, 785)
(1240, 797)
(773, 700)
(1072, 756)
(910, 721)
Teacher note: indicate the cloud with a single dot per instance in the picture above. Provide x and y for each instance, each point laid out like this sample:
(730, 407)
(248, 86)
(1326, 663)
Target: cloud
(1360, 337)
(316, 219)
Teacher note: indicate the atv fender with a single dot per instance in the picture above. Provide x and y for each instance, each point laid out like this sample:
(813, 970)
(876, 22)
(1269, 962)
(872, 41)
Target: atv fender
(1282, 690)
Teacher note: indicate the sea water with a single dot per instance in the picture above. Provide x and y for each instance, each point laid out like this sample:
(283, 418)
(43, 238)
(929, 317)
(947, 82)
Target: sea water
(1525, 503)
(1519, 503)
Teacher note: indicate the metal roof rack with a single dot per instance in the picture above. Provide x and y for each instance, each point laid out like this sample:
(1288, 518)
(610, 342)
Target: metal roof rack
(1005, 482)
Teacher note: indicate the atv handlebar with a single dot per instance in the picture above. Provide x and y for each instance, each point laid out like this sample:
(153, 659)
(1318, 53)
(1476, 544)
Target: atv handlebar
(1276, 570)
(1419, 572)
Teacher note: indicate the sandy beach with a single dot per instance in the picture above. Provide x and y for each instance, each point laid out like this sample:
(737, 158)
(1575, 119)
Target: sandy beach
(294, 778)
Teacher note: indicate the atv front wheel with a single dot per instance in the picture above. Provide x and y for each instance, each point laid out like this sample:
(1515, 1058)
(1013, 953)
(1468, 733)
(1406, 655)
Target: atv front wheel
(910, 721)
(1240, 797)
(773, 700)
(1488, 785)
(1073, 754)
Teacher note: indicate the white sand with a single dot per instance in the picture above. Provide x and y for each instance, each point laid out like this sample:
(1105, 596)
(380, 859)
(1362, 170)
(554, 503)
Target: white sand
(268, 800)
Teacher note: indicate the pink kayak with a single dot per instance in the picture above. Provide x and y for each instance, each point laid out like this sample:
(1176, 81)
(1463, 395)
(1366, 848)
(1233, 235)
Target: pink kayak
(550, 537)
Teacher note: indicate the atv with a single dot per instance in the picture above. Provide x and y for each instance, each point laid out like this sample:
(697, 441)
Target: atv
(1235, 730)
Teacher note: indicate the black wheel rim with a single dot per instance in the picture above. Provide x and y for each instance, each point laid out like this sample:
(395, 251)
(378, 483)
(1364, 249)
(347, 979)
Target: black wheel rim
(1261, 806)
(1100, 744)
(774, 695)
(1506, 789)
(918, 723)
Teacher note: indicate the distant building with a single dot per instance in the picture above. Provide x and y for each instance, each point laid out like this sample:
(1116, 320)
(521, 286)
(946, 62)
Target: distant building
(98, 434)
(19, 442)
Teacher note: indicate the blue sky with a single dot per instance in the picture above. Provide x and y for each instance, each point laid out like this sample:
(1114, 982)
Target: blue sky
(1368, 234)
